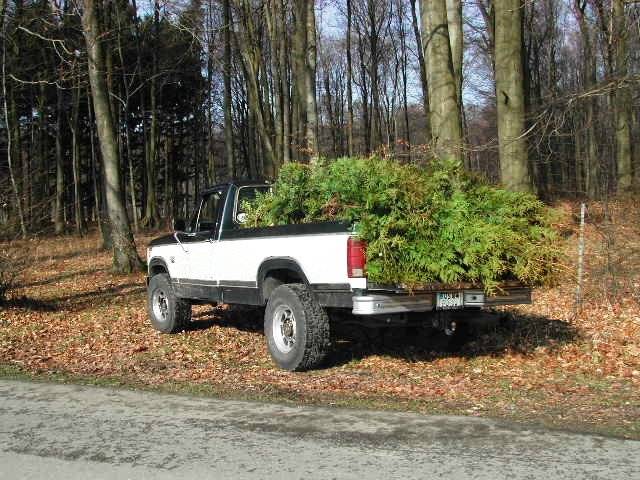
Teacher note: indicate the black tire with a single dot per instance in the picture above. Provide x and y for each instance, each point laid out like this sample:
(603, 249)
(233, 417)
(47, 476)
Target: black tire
(168, 313)
(309, 329)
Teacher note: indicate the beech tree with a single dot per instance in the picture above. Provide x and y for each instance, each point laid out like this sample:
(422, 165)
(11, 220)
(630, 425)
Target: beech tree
(446, 121)
(588, 161)
(514, 166)
(622, 96)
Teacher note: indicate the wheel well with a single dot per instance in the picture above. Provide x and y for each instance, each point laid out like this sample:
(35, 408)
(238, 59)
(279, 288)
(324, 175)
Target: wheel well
(276, 277)
(156, 269)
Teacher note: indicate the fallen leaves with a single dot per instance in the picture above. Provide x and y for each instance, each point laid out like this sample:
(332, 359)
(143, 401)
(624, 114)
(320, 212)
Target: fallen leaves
(545, 362)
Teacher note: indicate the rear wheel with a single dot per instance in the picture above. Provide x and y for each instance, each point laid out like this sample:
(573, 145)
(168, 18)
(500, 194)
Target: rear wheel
(168, 313)
(296, 328)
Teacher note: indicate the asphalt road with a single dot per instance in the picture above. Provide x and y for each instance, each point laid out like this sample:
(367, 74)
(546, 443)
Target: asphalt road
(51, 431)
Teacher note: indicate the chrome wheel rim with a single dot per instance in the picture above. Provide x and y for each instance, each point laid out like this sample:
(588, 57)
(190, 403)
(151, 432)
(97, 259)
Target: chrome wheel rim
(284, 328)
(160, 305)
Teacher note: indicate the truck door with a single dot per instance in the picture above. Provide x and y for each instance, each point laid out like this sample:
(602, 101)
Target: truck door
(239, 260)
(202, 242)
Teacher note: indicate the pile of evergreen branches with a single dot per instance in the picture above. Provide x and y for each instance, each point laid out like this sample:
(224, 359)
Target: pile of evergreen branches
(422, 225)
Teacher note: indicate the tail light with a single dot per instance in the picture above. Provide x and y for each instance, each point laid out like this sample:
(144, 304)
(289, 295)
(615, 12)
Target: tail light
(356, 258)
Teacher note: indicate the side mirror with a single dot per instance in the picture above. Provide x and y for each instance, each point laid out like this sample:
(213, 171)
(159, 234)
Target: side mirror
(241, 218)
(179, 225)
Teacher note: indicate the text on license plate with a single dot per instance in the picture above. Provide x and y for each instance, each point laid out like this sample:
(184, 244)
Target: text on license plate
(449, 300)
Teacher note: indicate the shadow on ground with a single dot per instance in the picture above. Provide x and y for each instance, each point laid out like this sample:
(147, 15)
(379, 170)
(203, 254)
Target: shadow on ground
(493, 335)
(27, 303)
(63, 276)
(241, 317)
(74, 302)
(512, 334)
(80, 252)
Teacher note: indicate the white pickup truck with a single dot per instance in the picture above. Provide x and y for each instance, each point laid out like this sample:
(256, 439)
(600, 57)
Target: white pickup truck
(305, 275)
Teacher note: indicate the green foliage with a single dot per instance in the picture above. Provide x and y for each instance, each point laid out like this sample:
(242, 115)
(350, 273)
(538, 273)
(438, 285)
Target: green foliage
(422, 225)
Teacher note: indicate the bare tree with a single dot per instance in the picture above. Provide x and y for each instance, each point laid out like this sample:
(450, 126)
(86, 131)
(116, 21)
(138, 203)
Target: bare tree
(588, 162)
(514, 165)
(446, 121)
(349, 81)
(456, 39)
(125, 256)
(622, 97)
(14, 186)
(249, 44)
(228, 119)
(423, 66)
(310, 79)
(151, 205)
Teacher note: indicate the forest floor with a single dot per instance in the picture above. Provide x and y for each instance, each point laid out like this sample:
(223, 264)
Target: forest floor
(73, 320)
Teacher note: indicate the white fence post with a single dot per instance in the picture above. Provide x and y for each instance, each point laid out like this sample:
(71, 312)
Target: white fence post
(583, 208)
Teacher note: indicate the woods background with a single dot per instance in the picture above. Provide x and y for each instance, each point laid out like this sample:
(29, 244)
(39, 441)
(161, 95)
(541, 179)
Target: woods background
(120, 111)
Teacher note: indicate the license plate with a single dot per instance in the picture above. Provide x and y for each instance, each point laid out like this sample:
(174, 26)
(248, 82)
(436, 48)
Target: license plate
(449, 300)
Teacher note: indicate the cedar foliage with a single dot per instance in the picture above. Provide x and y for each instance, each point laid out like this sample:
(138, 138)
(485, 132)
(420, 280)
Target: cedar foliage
(433, 224)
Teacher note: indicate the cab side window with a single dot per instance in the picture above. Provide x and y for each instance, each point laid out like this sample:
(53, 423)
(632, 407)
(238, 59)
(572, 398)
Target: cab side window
(209, 213)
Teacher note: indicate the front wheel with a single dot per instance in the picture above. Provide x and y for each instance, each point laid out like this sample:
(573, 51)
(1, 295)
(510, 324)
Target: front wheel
(296, 328)
(168, 313)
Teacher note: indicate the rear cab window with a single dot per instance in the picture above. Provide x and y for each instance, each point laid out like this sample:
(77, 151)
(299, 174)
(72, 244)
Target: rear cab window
(246, 194)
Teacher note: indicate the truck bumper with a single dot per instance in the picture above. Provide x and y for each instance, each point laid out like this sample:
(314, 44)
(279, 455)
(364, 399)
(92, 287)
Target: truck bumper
(381, 304)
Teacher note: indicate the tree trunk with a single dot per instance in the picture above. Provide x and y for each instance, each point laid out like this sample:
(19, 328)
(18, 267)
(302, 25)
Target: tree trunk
(592, 167)
(151, 204)
(283, 63)
(25, 186)
(41, 178)
(132, 180)
(310, 81)
(272, 17)
(364, 97)
(330, 113)
(75, 159)
(404, 61)
(127, 82)
(125, 256)
(622, 99)
(303, 78)
(14, 186)
(373, 64)
(59, 205)
(228, 119)
(423, 68)
(297, 81)
(104, 232)
(251, 53)
(446, 122)
(514, 165)
(166, 211)
(591, 162)
(207, 104)
(349, 82)
(456, 40)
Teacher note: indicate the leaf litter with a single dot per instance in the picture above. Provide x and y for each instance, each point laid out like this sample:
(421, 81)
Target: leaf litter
(543, 363)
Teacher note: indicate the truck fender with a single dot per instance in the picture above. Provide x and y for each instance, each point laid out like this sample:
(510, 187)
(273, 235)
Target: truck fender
(287, 271)
(157, 265)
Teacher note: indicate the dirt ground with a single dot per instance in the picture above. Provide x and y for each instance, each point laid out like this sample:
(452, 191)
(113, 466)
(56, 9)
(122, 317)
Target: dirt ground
(547, 363)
